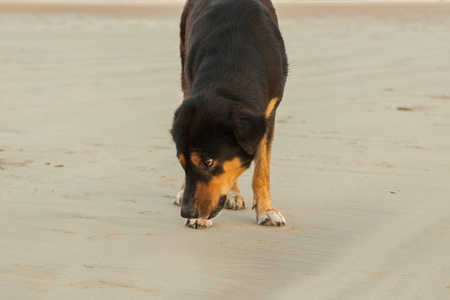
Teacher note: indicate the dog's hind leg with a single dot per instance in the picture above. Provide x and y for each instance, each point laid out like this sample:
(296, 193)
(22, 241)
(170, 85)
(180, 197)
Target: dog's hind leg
(235, 199)
(266, 214)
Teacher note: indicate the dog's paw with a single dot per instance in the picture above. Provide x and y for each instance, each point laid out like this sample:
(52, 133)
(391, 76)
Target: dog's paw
(178, 198)
(270, 218)
(235, 201)
(198, 223)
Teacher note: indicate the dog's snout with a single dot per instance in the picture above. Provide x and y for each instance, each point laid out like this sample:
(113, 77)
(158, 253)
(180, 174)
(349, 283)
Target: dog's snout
(189, 213)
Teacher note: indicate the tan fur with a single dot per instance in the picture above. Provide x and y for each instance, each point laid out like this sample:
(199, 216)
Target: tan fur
(203, 196)
(271, 106)
(208, 195)
(196, 158)
(261, 175)
(261, 178)
(235, 187)
(182, 160)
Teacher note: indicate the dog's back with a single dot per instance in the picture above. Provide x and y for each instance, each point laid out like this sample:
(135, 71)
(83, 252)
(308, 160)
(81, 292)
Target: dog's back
(233, 44)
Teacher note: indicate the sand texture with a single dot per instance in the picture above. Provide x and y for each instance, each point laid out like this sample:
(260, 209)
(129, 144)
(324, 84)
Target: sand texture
(360, 163)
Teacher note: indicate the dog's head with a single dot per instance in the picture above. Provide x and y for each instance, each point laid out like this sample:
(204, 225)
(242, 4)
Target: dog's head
(216, 142)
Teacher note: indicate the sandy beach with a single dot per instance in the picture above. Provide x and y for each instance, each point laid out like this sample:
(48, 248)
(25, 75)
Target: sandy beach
(360, 162)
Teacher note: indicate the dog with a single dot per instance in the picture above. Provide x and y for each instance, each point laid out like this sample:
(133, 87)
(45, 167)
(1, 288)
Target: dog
(233, 71)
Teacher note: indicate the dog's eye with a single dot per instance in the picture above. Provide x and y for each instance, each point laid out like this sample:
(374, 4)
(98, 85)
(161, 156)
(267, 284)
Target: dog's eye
(207, 162)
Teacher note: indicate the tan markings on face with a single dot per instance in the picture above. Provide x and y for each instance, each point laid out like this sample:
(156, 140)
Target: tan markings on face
(203, 198)
(271, 106)
(196, 158)
(208, 195)
(182, 160)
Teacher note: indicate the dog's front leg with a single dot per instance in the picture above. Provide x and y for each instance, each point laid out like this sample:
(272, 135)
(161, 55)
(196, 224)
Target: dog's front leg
(266, 214)
(234, 199)
(179, 196)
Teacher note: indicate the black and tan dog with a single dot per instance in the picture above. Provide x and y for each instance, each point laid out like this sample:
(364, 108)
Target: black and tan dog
(234, 68)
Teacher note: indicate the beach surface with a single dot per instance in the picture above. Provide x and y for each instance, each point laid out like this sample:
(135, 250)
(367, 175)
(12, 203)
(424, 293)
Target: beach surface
(360, 162)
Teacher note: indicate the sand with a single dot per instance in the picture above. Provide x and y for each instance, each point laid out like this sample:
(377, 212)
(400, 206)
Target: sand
(360, 168)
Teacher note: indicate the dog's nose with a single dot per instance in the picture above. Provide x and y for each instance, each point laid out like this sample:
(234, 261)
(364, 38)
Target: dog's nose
(189, 213)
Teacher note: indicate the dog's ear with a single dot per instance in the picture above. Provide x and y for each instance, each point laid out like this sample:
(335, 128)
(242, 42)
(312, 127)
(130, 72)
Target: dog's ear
(249, 129)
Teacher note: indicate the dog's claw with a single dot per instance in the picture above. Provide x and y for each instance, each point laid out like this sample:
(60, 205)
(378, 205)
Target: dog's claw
(264, 222)
(271, 217)
(235, 201)
(198, 223)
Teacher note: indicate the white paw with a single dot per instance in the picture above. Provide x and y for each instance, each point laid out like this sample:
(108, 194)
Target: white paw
(198, 223)
(271, 217)
(235, 201)
(178, 198)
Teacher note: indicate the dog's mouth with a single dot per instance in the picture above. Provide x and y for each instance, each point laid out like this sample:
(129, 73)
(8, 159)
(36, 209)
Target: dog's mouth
(218, 208)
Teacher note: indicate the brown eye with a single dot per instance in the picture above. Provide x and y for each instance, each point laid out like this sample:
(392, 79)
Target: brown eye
(207, 162)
